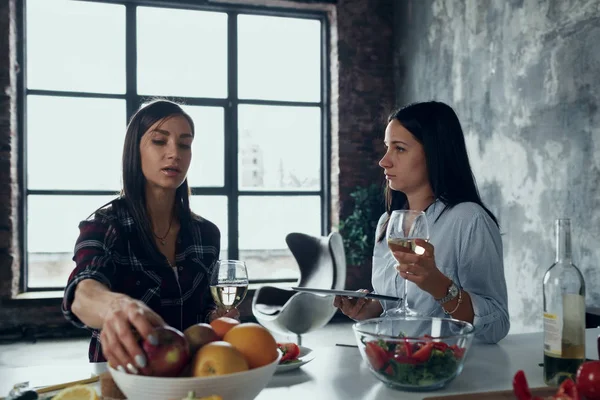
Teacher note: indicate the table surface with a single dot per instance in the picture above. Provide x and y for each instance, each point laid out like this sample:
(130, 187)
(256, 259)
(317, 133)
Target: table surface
(339, 373)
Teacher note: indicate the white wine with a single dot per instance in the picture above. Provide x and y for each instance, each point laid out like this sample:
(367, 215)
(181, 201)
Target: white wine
(564, 312)
(396, 244)
(229, 295)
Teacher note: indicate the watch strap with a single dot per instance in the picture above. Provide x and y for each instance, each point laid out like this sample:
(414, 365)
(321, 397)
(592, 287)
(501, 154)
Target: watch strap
(452, 293)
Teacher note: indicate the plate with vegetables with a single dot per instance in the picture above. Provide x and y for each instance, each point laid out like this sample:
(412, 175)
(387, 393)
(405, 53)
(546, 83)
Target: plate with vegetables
(293, 356)
(584, 386)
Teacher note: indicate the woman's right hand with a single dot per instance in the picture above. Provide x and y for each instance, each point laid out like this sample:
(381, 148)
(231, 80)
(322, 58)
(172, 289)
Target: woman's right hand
(118, 337)
(357, 308)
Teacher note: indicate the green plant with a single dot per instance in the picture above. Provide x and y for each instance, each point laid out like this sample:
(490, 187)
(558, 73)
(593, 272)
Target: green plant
(358, 228)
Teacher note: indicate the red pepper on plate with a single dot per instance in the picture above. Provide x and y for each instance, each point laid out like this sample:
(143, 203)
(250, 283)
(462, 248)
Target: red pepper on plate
(520, 386)
(567, 391)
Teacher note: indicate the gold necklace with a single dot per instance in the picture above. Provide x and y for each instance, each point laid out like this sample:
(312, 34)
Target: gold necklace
(162, 240)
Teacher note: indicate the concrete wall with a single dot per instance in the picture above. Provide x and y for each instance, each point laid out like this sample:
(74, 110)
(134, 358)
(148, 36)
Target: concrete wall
(524, 77)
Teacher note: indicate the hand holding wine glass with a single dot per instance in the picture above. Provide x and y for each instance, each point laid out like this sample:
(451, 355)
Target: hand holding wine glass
(405, 229)
(229, 284)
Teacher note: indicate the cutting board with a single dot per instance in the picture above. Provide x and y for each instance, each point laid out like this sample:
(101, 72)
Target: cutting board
(498, 395)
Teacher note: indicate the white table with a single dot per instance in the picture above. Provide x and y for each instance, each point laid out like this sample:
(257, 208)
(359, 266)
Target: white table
(340, 373)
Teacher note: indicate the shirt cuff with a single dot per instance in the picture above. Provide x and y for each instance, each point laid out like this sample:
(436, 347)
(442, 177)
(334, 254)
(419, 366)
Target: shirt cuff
(485, 319)
(69, 296)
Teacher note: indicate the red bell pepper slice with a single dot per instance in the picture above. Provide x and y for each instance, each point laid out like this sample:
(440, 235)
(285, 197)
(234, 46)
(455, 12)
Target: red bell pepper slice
(440, 346)
(520, 386)
(402, 359)
(567, 391)
(423, 354)
(389, 370)
(376, 355)
(408, 348)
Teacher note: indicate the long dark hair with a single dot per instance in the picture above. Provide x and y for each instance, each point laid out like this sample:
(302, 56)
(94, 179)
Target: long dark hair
(133, 192)
(436, 126)
(134, 181)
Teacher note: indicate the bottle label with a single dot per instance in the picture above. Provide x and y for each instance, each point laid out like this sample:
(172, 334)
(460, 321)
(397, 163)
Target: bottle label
(573, 326)
(552, 335)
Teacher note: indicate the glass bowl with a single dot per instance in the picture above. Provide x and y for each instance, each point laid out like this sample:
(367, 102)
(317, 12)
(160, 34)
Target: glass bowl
(414, 353)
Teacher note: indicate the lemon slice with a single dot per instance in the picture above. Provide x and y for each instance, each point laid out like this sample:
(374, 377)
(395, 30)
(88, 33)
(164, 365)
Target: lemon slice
(77, 392)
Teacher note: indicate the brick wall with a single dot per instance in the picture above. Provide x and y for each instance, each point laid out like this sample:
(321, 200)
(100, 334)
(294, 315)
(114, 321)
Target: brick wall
(362, 95)
(9, 228)
(366, 97)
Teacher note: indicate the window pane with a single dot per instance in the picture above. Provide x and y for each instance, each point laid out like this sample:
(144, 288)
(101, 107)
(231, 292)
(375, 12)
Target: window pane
(214, 209)
(74, 143)
(208, 149)
(264, 223)
(52, 230)
(279, 148)
(182, 52)
(75, 46)
(279, 58)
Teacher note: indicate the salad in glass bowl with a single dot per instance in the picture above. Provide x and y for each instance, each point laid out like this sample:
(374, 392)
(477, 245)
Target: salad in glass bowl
(414, 353)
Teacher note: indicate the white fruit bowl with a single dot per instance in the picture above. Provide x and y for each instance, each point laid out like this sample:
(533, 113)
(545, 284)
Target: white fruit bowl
(238, 386)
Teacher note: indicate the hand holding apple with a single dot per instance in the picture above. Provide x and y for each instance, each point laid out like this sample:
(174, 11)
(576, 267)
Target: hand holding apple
(124, 321)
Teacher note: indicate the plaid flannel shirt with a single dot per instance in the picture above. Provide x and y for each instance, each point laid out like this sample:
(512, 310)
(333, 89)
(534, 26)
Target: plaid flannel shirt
(109, 250)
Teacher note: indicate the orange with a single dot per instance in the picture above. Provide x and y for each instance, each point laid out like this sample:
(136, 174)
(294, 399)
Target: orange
(255, 342)
(218, 358)
(222, 325)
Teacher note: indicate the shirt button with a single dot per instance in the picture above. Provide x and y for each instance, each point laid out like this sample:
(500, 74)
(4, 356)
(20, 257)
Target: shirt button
(181, 268)
(138, 283)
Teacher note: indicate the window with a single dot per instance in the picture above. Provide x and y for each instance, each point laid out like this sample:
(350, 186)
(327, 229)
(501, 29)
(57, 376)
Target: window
(251, 78)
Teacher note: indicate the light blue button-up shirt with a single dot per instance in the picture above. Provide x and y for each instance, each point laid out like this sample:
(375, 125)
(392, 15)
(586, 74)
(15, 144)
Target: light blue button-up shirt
(468, 250)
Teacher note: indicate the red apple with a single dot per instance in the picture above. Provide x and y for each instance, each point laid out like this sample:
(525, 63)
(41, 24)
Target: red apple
(198, 335)
(170, 355)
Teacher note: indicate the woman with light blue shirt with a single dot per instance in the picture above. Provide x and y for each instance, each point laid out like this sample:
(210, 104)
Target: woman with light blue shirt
(461, 272)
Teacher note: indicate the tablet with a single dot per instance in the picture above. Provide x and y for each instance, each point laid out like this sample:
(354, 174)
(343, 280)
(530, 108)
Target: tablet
(347, 293)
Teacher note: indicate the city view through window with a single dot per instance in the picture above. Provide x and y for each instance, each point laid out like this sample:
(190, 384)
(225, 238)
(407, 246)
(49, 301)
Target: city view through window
(76, 113)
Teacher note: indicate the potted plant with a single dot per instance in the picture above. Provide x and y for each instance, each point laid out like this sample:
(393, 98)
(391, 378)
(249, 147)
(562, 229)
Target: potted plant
(358, 233)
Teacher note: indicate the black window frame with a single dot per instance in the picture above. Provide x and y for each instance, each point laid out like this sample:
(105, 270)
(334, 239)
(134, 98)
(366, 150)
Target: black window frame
(230, 105)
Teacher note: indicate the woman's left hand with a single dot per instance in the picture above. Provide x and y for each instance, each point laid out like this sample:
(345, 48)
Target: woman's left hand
(420, 268)
(221, 312)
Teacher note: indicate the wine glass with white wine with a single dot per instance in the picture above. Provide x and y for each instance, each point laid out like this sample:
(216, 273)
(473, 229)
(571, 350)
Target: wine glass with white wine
(404, 227)
(229, 283)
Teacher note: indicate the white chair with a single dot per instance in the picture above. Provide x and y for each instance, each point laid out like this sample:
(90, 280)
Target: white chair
(322, 263)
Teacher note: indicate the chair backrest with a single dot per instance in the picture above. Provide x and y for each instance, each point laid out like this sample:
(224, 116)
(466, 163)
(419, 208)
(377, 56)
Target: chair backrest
(336, 246)
(322, 264)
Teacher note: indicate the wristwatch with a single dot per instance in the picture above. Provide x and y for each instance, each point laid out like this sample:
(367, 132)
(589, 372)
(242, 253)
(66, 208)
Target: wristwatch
(453, 291)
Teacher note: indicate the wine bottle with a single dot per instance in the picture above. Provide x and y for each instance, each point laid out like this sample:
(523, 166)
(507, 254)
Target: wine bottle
(564, 312)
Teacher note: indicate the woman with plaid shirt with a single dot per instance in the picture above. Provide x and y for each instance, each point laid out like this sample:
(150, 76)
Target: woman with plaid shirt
(144, 260)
